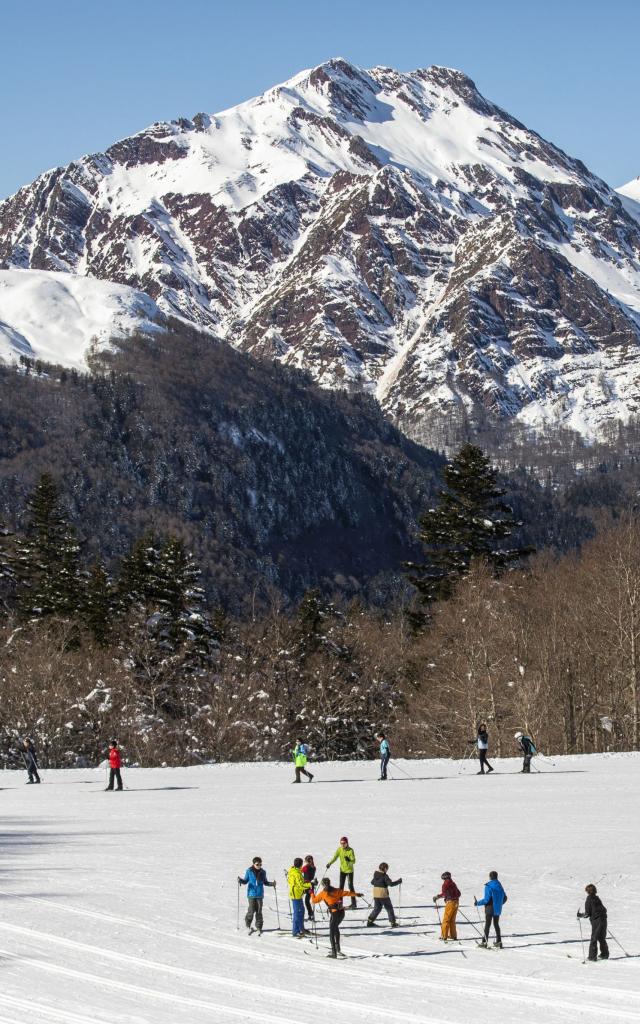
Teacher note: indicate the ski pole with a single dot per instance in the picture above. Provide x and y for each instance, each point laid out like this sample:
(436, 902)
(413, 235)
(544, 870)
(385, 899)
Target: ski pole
(399, 901)
(396, 765)
(315, 928)
(612, 936)
(276, 907)
(469, 921)
(238, 913)
(584, 959)
(438, 913)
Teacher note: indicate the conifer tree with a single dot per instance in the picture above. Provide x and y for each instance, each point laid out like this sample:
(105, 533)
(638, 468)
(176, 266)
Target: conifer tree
(179, 599)
(136, 579)
(99, 604)
(7, 572)
(46, 557)
(471, 521)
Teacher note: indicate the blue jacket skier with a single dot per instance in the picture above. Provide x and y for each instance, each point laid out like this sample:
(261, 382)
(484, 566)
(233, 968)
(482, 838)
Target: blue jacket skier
(385, 755)
(255, 878)
(493, 901)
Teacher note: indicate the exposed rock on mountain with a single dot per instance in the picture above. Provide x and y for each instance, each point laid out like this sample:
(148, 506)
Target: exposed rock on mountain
(391, 232)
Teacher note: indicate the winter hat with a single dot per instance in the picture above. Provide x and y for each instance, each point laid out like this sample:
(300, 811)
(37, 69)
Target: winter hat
(445, 874)
(344, 840)
(517, 736)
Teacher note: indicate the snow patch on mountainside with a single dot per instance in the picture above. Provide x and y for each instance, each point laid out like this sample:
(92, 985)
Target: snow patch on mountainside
(60, 317)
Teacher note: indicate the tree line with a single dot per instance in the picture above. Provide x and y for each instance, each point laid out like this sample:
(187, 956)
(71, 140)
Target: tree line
(481, 629)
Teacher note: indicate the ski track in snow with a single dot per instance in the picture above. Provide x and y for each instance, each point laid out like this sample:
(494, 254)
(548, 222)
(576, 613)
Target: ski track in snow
(122, 909)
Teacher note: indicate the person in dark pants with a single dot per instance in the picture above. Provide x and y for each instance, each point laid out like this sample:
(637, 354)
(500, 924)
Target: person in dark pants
(300, 754)
(483, 748)
(30, 761)
(333, 899)
(255, 878)
(596, 912)
(381, 901)
(494, 899)
(309, 874)
(115, 764)
(385, 755)
(347, 861)
(526, 745)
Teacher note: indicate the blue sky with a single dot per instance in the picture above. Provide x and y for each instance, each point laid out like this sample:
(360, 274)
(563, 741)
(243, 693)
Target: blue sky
(76, 76)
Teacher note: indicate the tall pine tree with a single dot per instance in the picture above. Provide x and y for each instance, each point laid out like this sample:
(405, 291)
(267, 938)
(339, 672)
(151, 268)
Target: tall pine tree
(471, 521)
(46, 561)
(179, 600)
(99, 604)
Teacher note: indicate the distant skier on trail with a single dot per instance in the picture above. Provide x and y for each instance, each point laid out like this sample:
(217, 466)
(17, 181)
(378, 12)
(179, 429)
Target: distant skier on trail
(451, 896)
(333, 899)
(381, 900)
(297, 888)
(528, 748)
(482, 742)
(309, 874)
(347, 861)
(115, 764)
(300, 754)
(30, 762)
(255, 878)
(493, 901)
(385, 755)
(596, 912)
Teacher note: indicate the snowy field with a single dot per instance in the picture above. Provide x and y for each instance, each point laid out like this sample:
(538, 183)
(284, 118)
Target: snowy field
(121, 907)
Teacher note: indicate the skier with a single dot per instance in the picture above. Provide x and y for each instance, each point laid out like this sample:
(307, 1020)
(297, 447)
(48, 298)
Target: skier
(30, 761)
(333, 899)
(595, 910)
(309, 875)
(347, 861)
(381, 884)
(527, 746)
(494, 899)
(482, 741)
(385, 755)
(297, 889)
(115, 764)
(300, 754)
(451, 896)
(255, 878)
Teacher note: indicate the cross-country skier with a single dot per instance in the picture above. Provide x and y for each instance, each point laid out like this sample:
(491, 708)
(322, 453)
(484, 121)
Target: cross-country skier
(347, 861)
(494, 899)
(595, 910)
(309, 874)
(300, 755)
(30, 761)
(385, 755)
(333, 899)
(527, 746)
(115, 764)
(297, 889)
(255, 878)
(451, 896)
(381, 901)
(482, 741)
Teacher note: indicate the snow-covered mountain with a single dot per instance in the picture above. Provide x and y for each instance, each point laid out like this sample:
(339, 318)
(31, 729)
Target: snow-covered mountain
(62, 317)
(389, 231)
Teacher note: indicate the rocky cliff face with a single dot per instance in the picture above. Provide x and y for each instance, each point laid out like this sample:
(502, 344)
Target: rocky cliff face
(396, 233)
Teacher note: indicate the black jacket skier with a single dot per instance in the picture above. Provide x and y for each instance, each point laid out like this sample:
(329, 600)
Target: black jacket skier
(596, 912)
(30, 761)
(528, 749)
(381, 900)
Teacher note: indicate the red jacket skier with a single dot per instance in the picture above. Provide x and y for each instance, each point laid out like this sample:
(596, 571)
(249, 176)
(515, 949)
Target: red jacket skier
(115, 764)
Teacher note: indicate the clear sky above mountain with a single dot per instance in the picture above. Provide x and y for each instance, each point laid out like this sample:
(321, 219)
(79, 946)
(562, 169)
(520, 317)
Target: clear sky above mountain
(77, 75)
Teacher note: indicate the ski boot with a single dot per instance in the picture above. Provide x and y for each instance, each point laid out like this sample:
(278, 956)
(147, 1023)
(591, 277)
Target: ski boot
(482, 944)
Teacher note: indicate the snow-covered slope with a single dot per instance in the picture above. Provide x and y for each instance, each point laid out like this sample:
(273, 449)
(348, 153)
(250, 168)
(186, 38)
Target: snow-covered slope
(122, 907)
(61, 317)
(389, 231)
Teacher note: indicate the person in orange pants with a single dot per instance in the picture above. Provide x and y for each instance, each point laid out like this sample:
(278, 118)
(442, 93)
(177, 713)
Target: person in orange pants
(451, 896)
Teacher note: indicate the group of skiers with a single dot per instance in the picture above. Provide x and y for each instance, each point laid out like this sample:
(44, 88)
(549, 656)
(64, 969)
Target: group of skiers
(304, 894)
(526, 746)
(30, 758)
